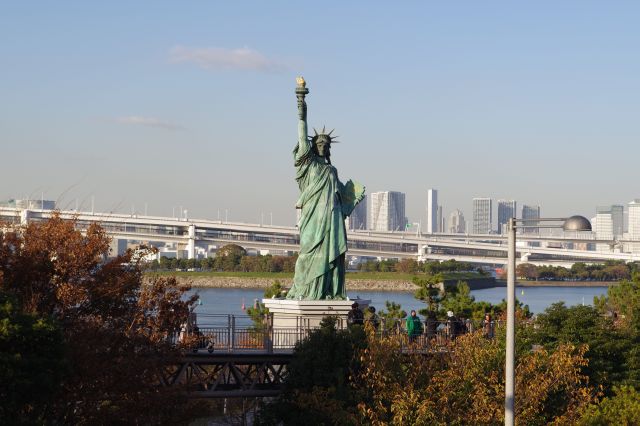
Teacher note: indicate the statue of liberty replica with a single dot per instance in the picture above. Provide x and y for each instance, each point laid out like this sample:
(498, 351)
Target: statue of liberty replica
(325, 203)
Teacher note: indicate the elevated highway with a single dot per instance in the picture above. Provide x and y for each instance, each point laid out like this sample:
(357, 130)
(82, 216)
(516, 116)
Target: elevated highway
(197, 235)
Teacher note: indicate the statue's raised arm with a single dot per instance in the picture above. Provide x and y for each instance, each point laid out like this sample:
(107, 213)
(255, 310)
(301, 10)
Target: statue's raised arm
(304, 145)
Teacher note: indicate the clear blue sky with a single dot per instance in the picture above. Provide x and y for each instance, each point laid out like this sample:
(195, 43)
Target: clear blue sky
(192, 103)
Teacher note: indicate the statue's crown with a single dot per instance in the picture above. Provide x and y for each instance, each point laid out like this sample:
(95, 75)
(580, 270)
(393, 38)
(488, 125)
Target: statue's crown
(324, 135)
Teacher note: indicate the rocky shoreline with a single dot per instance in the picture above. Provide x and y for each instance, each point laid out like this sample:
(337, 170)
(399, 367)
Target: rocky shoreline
(237, 282)
(363, 285)
(563, 283)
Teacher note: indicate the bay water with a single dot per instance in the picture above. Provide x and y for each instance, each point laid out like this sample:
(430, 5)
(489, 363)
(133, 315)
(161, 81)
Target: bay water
(232, 301)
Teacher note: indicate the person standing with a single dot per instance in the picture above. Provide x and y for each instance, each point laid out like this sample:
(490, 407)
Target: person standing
(455, 327)
(452, 325)
(414, 327)
(487, 326)
(431, 323)
(373, 318)
(355, 315)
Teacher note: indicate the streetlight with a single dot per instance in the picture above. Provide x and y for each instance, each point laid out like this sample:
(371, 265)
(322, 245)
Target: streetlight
(574, 223)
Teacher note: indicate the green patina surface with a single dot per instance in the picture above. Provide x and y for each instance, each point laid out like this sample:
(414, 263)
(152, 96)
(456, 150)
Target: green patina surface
(324, 204)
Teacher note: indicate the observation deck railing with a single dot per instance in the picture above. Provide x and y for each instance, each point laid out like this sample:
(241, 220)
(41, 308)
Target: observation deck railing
(239, 333)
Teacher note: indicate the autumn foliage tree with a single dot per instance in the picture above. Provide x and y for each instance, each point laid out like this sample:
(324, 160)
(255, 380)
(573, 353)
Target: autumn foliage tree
(115, 328)
(463, 386)
(466, 385)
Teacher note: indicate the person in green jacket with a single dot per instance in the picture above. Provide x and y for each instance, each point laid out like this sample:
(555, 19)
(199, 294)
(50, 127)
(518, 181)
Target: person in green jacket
(414, 326)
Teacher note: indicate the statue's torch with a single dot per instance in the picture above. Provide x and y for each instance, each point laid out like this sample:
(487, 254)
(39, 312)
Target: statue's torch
(301, 92)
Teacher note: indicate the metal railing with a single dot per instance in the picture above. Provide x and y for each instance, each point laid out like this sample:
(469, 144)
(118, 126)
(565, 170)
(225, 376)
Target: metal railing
(231, 333)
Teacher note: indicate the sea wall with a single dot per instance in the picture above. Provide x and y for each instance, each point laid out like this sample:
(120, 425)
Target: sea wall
(475, 283)
(373, 285)
(352, 284)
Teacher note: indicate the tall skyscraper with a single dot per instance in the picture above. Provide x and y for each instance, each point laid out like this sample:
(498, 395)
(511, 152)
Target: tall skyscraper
(432, 211)
(387, 211)
(530, 212)
(358, 218)
(506, 210)
(617, 214)
(482, 215)
(608, 224)
(456, 222)
(441, 220)
(634, 225)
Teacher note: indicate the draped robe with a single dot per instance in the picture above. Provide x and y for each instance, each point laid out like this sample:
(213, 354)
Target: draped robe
(325, 202)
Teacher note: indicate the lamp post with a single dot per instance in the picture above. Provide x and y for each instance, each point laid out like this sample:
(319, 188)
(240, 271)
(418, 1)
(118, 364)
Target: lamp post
(574, 223)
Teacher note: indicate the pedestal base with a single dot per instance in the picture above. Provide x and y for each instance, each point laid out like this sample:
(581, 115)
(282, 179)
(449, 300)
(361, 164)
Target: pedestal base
(309, 313)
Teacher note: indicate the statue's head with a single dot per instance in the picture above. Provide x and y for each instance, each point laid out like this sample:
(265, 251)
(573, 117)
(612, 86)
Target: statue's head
(322, 143)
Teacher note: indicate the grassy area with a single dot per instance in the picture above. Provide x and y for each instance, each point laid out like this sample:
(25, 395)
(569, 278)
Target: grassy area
(463, 276)
(379, 276)
(193, 274)
(372, 276)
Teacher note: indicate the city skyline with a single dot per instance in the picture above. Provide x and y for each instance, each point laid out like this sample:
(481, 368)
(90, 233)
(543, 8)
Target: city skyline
(192, 107)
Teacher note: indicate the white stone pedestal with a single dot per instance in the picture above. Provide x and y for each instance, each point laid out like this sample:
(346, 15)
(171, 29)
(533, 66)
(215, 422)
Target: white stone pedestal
(308, 313)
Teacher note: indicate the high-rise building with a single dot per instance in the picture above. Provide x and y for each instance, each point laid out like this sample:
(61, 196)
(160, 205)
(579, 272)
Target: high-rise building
(358, 217)
(456, 222)
(530, 212)
(603, 226)
(608, 224)
(441, 220)
(387, 211)
(432, 211)
(506, 210)
(482, 215)
(634, 225)
(617, 214)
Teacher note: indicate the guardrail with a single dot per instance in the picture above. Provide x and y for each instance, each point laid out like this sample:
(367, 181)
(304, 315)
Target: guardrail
(231, 333)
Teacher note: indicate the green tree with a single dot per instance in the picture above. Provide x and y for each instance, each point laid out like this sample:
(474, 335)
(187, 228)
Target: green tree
(623, 301)
(174, 264)
(32, 363)
(623, 408)
(228, 257)
(522, 310)
(191, 263)
(206, 263)
(249, 264)
(165, 263)
(388, 265)
(408, 266)
(460, 301)
(618, 272)
(580, 271)
(392, 316)
(527, 271)
(183, 264)
(317, 388)
(258, 312)
(154, 265)
(611, 353)
(429, 290)
(452, 265)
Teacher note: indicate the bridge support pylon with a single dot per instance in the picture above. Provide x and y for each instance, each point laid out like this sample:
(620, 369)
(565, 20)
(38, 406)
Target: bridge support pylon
(191, 245)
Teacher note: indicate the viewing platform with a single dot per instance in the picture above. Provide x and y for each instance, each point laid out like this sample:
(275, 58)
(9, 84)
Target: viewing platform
(235, 356)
